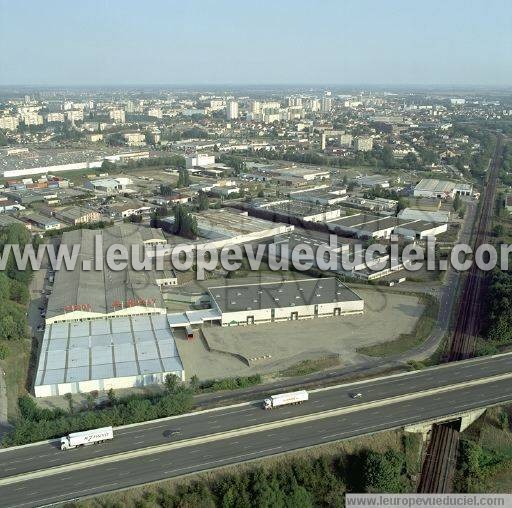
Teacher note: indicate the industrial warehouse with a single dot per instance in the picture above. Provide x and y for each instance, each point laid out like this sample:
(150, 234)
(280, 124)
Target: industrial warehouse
(283, 301)
(112, 329)
(373, 226)
(90, 294)
(105, 328)
(123, 352)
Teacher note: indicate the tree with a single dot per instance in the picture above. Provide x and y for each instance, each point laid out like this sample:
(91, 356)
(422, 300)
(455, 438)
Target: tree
(382, 471)
(69, 397)
(456, 202)
(503, 419)
(4, 351)
(184, 223)
(203, 201)
(498, 230)
(135, 218)
(171, 383)
(19, 292)
(165, 190)
(194, 383)
(90, 400)
(112, 398)
(183, 178)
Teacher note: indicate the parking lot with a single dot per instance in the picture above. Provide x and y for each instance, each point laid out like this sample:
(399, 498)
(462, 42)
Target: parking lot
(283, 344)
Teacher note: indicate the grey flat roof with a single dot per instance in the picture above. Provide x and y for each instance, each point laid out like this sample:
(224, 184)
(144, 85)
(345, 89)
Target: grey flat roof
(354, 220)
(92, 350)
(299, 208)
(104, 290)
(281, 294)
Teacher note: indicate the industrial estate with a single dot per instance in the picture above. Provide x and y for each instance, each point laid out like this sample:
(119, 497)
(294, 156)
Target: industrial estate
(268, 311)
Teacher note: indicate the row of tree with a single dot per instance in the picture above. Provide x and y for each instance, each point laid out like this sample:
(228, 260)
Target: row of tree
(36, 424)
(14, 293)
(296, 483)
(498, 312)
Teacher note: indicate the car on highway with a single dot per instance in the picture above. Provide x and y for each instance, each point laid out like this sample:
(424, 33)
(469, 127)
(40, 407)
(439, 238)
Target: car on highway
(356, 395)
(171, 433)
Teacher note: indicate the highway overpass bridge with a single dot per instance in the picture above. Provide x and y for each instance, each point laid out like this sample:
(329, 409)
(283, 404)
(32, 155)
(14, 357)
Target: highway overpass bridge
(40, 474)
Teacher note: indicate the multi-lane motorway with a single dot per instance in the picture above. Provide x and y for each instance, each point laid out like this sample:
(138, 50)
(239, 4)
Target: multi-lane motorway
(42, 474)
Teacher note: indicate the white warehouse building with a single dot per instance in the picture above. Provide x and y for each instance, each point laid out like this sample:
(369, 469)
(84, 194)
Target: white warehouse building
(433, 188)
(284, 301)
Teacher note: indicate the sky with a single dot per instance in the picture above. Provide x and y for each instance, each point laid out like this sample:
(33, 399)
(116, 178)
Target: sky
(128, 42)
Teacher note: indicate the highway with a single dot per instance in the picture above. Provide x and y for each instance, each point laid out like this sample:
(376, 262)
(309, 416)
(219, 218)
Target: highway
(209, 439)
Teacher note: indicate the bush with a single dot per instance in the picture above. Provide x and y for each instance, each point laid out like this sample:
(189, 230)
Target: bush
(233, 383)
(4, 351)
(36, 424)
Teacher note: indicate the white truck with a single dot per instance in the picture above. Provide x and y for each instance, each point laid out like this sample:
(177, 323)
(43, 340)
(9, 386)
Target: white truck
(285, 399)
(85, 438)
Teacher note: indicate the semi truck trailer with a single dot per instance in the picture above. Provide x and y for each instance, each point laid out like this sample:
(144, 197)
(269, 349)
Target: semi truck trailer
(85, 438)
(285, 399)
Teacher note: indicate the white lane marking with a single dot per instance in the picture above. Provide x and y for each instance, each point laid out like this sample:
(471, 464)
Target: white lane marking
(66, 496)
(139, 442)
(148, 427)
(376, 381)
(262, 427)
(235, 412)
(224, 459)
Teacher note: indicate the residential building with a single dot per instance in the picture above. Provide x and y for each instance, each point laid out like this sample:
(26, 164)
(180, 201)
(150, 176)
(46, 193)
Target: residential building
(55, 117)
(9, 123)
(199, 160)
(363, 144)
(134, 138)
(232, 110)
(117, 115)
(75, 215)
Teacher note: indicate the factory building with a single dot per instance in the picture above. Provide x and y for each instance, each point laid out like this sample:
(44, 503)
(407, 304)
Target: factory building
(433, 188)
(124, 352)
(284, 301)
(227, 226)
(373, 226)
(107, 328)
(321, 195)
(88, 294)
(421, 229)
(303, 210)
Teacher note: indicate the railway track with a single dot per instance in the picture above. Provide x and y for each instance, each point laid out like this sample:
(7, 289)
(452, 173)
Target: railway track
(440, 461)
(468, 323)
